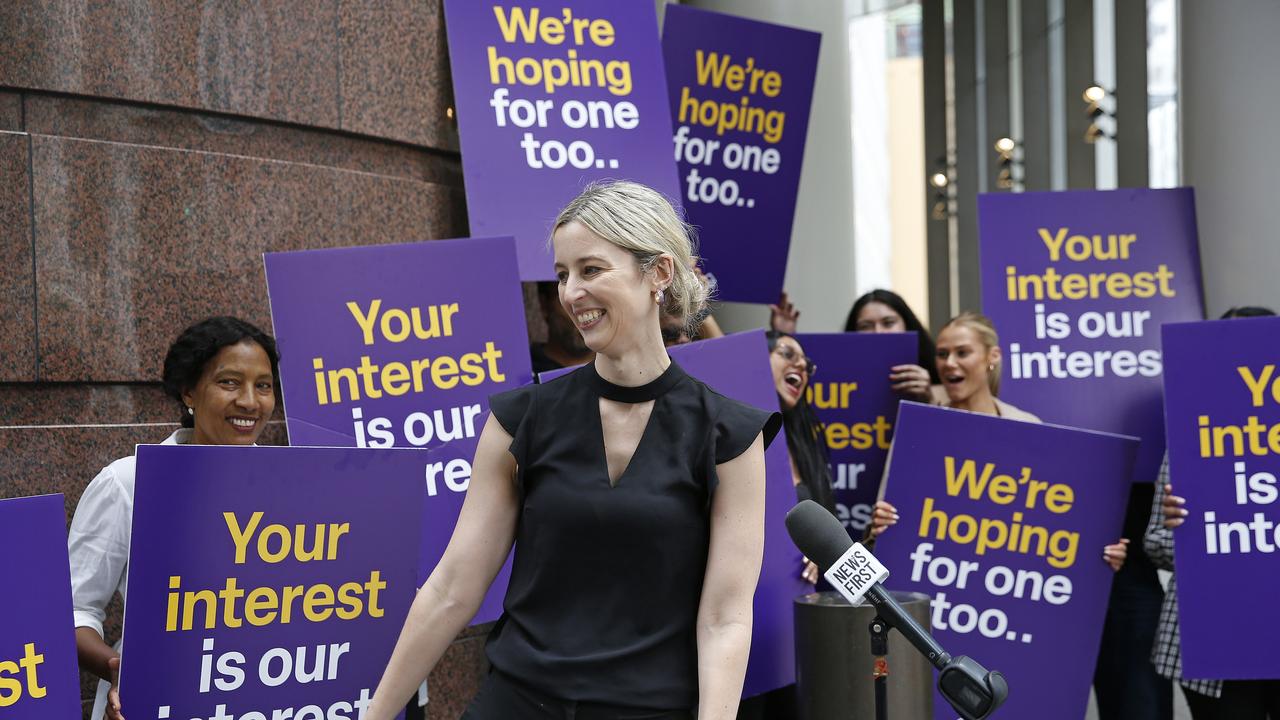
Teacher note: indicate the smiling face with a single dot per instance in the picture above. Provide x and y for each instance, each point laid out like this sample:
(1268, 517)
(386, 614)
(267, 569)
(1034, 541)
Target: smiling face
(234, 397)
(876, 317)
(964, 364)
(604, 291)
(790, 371)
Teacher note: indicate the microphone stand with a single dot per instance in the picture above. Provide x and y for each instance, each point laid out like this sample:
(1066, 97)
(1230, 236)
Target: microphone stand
(972, 691)
(879, 630)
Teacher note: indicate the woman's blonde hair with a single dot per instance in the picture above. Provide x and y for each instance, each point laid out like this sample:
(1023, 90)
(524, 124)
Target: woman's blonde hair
(986, 332)
(641, 221)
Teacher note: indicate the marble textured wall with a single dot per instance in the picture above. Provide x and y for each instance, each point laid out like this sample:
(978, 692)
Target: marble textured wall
(150, 152)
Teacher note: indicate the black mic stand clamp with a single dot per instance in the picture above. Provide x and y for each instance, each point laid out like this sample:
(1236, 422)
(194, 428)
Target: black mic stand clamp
(969, 688)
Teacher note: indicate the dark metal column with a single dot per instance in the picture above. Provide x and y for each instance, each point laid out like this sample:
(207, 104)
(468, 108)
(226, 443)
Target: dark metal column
(969, 143)
(1131, 92)
(1078, 39)
(995, 54)
(937, 242)
(1035, 94)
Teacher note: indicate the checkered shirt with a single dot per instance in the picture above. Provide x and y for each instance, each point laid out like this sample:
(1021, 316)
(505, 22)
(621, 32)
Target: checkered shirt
(1166, 654)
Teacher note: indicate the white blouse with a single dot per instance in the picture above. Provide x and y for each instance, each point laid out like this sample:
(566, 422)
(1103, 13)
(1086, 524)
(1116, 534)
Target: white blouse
(98, 547)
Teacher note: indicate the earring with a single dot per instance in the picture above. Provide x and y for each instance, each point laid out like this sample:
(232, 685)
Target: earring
(191, 411)
(991, 368)
(657, 296)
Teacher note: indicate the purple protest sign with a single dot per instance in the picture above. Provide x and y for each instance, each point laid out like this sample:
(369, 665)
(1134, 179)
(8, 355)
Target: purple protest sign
(38, 674)
(737, 366)
(852, 396)
(553, 95)
(1077, 283)
(1222, 404)
(1003, 523)
(401, 346)
(267, 582)
(740, 93)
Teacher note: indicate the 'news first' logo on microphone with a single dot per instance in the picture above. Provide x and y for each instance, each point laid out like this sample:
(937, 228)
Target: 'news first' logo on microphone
(855, 572)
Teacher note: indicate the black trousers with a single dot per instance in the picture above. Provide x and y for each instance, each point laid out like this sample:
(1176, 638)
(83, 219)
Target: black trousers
(502, 698)
(1126, 682)
(780, 704)
(1241, 700)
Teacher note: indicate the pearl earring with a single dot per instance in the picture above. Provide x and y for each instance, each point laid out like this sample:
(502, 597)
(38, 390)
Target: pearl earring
(191, 411)
(658, 297)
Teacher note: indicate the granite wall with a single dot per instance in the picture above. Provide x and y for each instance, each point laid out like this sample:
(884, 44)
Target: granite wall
(150, 152)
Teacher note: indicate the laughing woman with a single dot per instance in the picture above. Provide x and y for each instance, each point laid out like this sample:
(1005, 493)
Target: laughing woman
(223, 371)
(634, 495)
(811, 473)
(810, 469)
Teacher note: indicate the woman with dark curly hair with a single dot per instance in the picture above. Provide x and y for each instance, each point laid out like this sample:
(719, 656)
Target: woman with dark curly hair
(224, 373)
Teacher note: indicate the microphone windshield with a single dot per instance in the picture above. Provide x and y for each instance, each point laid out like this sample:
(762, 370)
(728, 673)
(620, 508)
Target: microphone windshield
(817, 533)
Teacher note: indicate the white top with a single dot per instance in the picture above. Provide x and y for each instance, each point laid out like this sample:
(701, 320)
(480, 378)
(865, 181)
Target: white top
(98, 547)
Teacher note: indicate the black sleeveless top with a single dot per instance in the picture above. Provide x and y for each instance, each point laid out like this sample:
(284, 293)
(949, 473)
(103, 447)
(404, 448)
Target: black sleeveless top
(606, 579)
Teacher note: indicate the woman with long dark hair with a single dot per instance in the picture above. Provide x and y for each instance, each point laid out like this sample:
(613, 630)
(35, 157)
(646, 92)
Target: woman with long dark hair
(810, 471)
(884, 311)
(810, 460)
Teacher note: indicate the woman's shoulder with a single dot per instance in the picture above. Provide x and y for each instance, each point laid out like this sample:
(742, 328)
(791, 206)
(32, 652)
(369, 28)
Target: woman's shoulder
(1016, 413)
(119, 473)
(512, 407)
(735, 423)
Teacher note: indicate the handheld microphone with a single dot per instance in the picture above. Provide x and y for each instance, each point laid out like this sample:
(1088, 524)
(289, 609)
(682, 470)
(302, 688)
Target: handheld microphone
(974, 692)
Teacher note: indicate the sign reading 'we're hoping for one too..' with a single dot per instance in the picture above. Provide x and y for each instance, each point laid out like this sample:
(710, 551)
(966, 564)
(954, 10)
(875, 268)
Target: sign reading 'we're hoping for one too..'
(740, 95)
(552, 96)
(1003, 523)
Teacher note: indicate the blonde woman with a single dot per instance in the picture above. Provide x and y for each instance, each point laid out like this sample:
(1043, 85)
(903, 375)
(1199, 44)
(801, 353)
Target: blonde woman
(969, 363)
(634, 495)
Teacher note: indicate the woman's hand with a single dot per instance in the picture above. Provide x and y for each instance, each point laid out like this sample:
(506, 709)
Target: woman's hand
(809, 571)
(1115, 555)
(783, 316)
(113, 695)
(911, 381)
(1172, 508)
(882, 517)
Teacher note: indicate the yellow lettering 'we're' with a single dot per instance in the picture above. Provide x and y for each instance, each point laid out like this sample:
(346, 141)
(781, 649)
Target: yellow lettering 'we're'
(711, 68)
(967, 476)
(517, 24)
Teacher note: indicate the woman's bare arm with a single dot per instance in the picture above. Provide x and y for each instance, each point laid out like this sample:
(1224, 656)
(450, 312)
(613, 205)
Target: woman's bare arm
(449, 599)
(733, 567)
